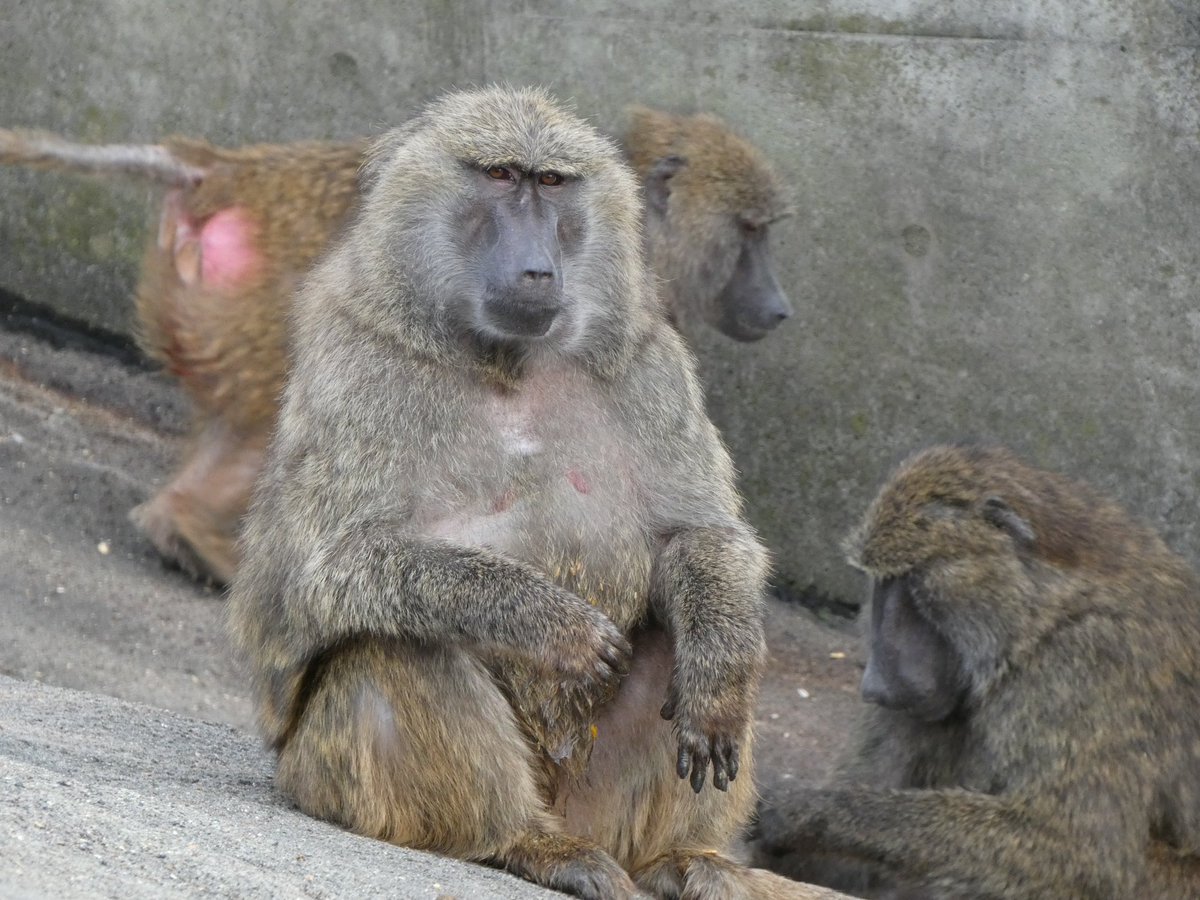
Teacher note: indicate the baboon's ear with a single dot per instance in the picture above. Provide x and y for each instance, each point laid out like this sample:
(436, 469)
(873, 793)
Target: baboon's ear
(658, 187)
(998, 513)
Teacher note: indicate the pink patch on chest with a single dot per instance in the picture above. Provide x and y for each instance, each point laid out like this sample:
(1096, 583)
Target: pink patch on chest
(504, 502)
(578, 481)
(228, 255)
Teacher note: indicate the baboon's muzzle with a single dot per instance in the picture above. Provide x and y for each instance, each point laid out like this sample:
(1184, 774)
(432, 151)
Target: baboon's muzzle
(524, 284)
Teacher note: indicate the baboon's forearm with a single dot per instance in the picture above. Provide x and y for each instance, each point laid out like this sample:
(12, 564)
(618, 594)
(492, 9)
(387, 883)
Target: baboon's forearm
(374, 580)
(972, 844)
(708, 586)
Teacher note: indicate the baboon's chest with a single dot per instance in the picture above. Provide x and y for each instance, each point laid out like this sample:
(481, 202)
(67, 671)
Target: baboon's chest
(548, 475)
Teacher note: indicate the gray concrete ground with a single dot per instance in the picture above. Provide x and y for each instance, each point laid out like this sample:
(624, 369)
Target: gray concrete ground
(102, 798)
(131, 799)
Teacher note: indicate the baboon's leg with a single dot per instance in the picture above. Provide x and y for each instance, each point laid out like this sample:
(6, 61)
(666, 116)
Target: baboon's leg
(690, 875)
(211, 307)
(630, 799)
(417, 746)
(194, 520)
(569, 864)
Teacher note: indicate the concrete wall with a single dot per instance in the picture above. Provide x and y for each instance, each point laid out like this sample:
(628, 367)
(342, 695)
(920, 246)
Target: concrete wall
(998, 202)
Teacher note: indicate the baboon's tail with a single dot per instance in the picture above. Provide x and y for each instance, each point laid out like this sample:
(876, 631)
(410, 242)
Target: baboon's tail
(43, 150)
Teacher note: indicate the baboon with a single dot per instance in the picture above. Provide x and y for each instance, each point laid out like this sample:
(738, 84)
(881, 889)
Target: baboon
(711, 198)
(1034, 688)
(238, 229)
(496, 545)
(241, 226)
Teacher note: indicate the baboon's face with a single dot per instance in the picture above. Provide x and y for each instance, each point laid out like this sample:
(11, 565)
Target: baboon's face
(721, 259)
(950, 562)
(499, 222)
(712, 199)
(912, 667)
(751, 304)
(516, 228)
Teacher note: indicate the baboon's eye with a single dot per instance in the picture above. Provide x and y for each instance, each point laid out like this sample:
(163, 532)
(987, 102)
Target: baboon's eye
(550, 179)
(750, 227)
(500, 173)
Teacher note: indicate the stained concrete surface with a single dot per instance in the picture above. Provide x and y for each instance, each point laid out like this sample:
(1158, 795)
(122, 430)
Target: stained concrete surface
(167, 793)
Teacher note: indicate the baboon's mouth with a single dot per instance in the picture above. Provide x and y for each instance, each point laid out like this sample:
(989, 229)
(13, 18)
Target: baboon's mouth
(522, 319)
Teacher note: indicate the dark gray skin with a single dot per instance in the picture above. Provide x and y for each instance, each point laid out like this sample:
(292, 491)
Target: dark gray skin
(911, 667)
(516, 223)
(752, 303)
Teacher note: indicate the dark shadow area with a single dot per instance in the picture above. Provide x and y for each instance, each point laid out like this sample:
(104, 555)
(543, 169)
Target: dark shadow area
(21, 316)
(810, 597)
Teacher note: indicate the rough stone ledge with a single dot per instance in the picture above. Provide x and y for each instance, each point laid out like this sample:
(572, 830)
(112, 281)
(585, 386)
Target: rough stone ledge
(103, 798)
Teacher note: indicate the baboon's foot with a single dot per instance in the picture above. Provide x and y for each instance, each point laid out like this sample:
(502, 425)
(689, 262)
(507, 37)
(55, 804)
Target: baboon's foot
(569, 864)
(155, 520)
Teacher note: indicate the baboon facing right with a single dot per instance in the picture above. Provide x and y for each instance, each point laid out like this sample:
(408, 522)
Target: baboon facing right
(711, 199)
(1034, 675)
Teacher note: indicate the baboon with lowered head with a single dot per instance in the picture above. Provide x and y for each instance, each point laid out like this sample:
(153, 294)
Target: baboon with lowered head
(1034, 675)
(241, 226)
(496, 545)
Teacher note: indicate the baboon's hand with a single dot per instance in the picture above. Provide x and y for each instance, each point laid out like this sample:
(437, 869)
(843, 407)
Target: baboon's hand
(583, 645)
(779, 829)
(798, 825)
(714, 738)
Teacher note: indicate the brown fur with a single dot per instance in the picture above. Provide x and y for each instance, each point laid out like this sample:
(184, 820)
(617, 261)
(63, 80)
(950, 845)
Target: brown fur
(724, 174)
(228, 343)
(1071, 767)
(231, 358)
(461, 534)
(722, 194)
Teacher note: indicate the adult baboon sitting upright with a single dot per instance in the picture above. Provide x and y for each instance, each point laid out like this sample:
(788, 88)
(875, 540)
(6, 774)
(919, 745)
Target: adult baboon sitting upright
(492, 493)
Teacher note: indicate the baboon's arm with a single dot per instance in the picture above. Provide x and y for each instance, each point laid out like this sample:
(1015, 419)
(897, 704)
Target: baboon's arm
(373, 580)
(708, 585)
(710, 572)
(376, 580)
(978, 845)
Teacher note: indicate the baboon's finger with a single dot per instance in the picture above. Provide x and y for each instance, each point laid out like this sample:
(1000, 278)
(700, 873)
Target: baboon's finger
(684, 763)
(733, 760)
(699, 770)
(668, 711)
(720, 775)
